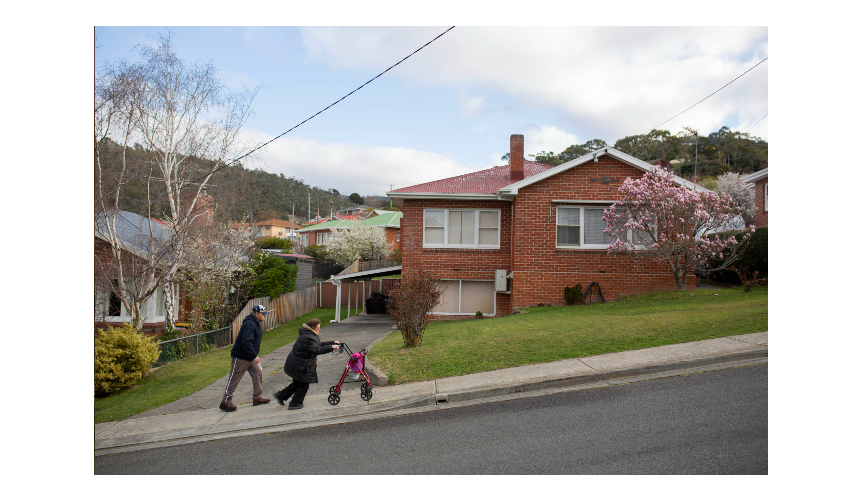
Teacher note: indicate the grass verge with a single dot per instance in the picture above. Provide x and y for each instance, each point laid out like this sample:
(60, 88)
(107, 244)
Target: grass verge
(181, 378)
(545, 334)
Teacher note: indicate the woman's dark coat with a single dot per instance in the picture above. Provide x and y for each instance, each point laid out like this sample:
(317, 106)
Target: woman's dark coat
(301, 363)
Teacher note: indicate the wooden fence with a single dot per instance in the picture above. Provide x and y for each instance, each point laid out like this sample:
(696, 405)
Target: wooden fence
(285, 308)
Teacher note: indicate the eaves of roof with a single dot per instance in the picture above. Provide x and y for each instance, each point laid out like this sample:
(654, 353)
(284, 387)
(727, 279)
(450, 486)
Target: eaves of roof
(509, 191)
(756, 176)
(387, 220)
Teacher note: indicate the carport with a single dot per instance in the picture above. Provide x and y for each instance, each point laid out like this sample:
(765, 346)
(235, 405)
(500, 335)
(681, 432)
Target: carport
(355, 276)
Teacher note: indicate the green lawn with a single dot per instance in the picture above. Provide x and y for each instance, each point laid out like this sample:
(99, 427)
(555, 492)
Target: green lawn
(181, 378)
(545, 334)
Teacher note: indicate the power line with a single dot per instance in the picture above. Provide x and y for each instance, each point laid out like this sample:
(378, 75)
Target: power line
(345, 97)
(710, 95)
(227, 164)
(755, 123)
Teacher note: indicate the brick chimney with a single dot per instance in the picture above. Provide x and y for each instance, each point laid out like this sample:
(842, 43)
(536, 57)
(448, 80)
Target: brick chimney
(516, 157)
(204, 207)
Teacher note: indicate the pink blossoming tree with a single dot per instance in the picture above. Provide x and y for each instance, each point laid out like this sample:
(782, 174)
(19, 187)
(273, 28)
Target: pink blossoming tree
(658, 220)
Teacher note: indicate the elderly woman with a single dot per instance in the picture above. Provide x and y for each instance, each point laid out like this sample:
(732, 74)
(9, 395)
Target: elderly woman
(301, 364)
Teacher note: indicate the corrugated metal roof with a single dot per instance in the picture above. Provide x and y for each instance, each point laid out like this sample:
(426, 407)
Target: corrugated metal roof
(390, 219)
(134, 230)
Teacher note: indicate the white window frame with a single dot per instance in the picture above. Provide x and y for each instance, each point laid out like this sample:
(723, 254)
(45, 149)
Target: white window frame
(765, 196)
(583, 224)
(321, 239)
(148, 309)
(460, 301)
(476, 245)
(304, 239)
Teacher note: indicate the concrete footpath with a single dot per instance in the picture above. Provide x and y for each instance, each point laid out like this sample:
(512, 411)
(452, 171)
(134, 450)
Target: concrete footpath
(197, 418)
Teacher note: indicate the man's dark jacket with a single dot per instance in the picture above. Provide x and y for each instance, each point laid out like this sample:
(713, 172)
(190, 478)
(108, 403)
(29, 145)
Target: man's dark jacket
(247, 343)
(301, 363)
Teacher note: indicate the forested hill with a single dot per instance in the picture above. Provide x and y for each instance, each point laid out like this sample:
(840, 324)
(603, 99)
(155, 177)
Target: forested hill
(717, 153)
(237, 191)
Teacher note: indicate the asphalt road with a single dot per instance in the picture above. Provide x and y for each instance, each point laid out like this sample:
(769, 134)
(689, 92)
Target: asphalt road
(703, 423)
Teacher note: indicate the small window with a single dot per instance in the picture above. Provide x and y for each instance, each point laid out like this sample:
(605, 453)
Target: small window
(765, 196)
(434, 227)
(568, 227)
(398, 236)
(267, 228)
(115, 305)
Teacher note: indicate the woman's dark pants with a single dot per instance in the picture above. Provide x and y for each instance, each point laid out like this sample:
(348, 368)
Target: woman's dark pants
(296, 389)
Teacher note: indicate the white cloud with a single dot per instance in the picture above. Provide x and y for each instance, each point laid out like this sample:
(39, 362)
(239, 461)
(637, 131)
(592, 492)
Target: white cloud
(612, 82)
(350, 168)
(547, 138)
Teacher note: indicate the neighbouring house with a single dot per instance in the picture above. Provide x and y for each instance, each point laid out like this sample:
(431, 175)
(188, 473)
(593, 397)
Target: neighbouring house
(133, 232)
(357, 210)
(277, 228)
(759, 181)
(530, 227)
(274, 228)
(317, 234)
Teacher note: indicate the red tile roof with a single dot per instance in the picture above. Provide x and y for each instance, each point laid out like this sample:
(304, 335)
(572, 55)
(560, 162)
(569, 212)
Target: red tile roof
(487, 181)
(348, 217)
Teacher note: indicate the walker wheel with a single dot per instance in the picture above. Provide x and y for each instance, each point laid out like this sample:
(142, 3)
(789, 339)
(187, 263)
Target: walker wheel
(333, 389)
(334, 399)
(365, 387)
(366, 395)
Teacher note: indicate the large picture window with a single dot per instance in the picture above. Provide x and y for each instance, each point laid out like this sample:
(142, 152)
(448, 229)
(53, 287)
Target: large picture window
(581, 227)
(451, 228)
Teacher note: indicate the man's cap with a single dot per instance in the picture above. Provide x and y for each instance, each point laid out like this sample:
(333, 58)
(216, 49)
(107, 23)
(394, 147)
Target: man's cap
(259, 309)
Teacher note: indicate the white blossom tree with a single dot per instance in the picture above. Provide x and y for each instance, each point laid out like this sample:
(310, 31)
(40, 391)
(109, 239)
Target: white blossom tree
(214, 264)
(358, 241)
(670, 223)
(732, 185)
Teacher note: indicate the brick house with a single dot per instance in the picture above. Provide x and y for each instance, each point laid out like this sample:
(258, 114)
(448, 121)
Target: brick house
(539, 224)
(133, 233)
(759, 181)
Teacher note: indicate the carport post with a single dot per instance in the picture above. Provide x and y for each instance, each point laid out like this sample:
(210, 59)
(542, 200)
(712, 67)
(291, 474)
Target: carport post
(337, 301)
(363, 297)
(348, 299)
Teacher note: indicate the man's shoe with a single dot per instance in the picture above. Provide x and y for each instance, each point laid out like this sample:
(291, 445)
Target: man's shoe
(278, 399)
(294, 406)
(261, 401)
(227, 406)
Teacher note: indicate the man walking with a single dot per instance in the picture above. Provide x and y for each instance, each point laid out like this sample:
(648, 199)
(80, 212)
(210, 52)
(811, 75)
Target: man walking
(244, 358)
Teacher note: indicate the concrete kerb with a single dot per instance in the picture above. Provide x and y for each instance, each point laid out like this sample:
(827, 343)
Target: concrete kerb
(427, 396)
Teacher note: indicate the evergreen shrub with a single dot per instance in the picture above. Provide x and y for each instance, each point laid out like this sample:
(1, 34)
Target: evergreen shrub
(122, 356)
(573, 294)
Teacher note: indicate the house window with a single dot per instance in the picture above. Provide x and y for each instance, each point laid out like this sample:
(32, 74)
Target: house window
(115, 305)
(446, 228)
(267, 228)
(160, 303)
(765, 196)
(462, 297)
(322, 237)
(398, 235)
(581, 227)
(305, 240)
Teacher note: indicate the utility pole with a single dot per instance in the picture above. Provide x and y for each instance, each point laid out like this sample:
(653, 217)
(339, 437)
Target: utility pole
(694, 131)
(309, 206)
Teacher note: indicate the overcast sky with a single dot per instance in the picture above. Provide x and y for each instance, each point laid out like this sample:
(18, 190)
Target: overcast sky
(451, 108)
